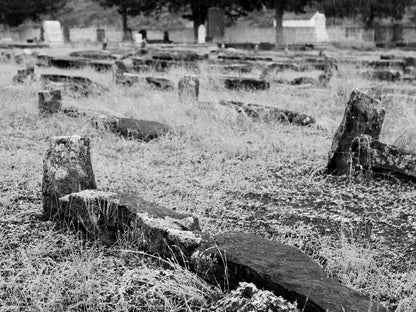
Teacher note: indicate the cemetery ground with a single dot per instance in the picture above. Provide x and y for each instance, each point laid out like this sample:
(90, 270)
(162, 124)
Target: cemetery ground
(232, 172)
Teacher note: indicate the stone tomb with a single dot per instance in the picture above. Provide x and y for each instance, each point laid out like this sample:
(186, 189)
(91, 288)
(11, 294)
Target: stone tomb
(52, 33)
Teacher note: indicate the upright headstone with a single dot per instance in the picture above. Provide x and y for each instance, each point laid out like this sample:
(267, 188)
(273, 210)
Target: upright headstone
(202, 34)
(66, 169)
(52, 33)
(138, 38)
(50, 102)
(216, 24)
(188, 88)
(100, 35)
(67, 34)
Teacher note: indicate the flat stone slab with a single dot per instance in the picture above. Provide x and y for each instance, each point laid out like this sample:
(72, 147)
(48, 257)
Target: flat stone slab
(250, 84)
(269, 113)
(143, 130)
(162, 84)
(110, 216)
(282, 269)
(75, 85)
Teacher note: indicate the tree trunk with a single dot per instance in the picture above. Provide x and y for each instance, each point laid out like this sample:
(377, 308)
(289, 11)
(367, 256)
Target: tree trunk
(279, 9)
(126, 33)
(199, 15)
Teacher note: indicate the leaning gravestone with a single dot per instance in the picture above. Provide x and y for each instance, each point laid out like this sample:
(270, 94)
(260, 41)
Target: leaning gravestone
(52, 33)
(66, 169)
(188, 88)
(363, 115)
(50, 102)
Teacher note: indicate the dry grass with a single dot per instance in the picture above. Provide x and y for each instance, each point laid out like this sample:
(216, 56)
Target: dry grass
(231, 172)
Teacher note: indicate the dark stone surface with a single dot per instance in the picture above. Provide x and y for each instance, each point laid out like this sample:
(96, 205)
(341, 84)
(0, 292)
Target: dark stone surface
(160, 83)
(363, 115)
(142, 130)
(282, 269)
(50, 102)
(75, 85)
(246, 84)
(66, 169)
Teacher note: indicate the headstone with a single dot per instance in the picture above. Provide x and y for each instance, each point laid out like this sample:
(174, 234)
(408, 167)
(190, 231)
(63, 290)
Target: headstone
(202, 34)
(363, 115)
(166, 37)
(25, 75)
(188, 88)
(216, 24)
(66, 169)
(143, 32)
(50, 102)
(52, 33)
(100, 35)
(138, 38)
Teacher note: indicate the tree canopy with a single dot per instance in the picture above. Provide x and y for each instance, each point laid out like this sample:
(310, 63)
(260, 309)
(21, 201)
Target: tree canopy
(15, 12)
(131, 7)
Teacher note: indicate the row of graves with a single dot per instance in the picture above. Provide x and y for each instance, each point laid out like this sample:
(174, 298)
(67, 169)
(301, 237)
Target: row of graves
(285, 271)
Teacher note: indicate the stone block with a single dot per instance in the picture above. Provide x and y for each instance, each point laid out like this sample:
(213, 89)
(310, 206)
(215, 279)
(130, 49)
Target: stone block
(160, 83)
(150, 227)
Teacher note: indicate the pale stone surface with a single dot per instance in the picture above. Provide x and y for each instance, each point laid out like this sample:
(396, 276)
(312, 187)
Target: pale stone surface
(66, 169)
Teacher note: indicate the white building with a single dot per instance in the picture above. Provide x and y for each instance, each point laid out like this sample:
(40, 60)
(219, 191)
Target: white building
(305, 28)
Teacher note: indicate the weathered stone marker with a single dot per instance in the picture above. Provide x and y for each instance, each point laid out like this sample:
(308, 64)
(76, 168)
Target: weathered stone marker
(250, 84)
(24, 75)
(50, 102)
(363, 115)
(66, 169)
(188, 88)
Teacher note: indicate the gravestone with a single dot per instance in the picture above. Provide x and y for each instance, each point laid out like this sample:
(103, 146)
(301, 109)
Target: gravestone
(138, 38)
(216, 24)
(202, 34)
(188, 88)
(66, 169)
(50, 102)
(67, 34)
(52, 33)
(100, 35)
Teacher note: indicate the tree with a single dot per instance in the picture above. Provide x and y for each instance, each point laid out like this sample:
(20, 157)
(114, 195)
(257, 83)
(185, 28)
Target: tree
(367, 10)
(15, 12)
(131, 8)
(199, 9)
